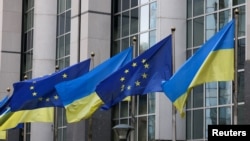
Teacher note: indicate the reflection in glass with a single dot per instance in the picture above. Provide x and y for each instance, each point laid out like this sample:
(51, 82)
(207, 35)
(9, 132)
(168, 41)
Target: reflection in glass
(144, 42)
(151, 103)
(198, 124)
(153, 10)
(152, 38)
(144, 15)
(211, 5)
(211, 25)
(211, 118)
(224, 3)
(224, 115)
(198, 31)
(225, 93)
(224, 18)
(242, 21)
(151, 128)
(211, 94)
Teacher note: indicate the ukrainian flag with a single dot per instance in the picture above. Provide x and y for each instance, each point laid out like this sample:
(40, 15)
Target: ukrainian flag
(214, 61)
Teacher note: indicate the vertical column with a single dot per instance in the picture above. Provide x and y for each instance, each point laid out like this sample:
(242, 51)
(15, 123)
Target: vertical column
(44, 53)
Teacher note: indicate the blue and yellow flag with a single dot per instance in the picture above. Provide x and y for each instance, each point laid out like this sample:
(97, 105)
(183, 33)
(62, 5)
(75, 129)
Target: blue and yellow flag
(78, 95)
(214, 61)
(142, 75)
(40, 92)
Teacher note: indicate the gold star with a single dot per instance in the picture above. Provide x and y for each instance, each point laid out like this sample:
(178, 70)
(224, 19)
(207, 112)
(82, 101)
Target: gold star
(56, 97)
(129, 87)
(146, 66)
(122, 79)
(40, 99)
(126, 71)
(34, 94)
(122, 88)
(31, 87)
(134, 64)
(47, 99)
(137, 83)
(65, 75)
(143, 61)
(144, 75)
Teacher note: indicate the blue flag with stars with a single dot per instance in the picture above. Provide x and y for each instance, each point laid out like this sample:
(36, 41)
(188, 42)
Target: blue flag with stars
(40, 92)
(142, 75)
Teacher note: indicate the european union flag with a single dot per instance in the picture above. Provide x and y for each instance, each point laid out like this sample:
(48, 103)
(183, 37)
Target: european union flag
(142, 75)
(40, 92)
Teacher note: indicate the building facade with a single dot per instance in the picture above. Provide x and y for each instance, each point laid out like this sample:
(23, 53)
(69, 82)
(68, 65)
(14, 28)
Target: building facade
(39, 36)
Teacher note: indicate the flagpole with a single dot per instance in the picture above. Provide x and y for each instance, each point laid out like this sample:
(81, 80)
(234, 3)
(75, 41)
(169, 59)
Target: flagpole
(235, 100)
(55, 127)
(90, 120)
(173, 70)
(133, 97)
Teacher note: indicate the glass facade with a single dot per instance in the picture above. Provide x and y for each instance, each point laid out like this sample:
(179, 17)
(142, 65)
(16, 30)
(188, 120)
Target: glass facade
(212, 103)
(27, 51)
(62, 58)
(135, 18)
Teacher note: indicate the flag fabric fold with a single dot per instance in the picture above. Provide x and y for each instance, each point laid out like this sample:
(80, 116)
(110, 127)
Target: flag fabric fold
(78, 95)
(40, 92)
(140, 76)
(214, 61)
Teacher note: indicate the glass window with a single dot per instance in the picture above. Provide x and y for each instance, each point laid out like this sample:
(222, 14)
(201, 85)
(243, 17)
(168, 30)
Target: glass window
(142, 128)
(198, 31)
(237, 2)
(151, 103)
(225, 93)
(144, 18)
(134, 3)
(62, 6)
(134, 21)
(211, 118)
(189, 33)
(152, 38)
(125, 43)
(67, 23)
(241, 86)
(198, 96)
(211, 25)
(142, 104)
(153, 10)
(117, 26)
(211, 5)
(189, 124)
(189, 8)
(198, 7)
(124, 107)
(224, 4)
(125, 23)
(242, 21)
(143, 1)
(151, 128)
(225, 115)
(224, 18)
(144, 45)
(241, 53)
(125, 4)
(211, 94)
(198, 124)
